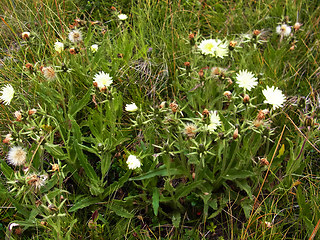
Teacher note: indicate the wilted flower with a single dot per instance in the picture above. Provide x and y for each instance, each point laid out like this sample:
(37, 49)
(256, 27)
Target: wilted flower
(274, 96)
(246, 80)
(25, 35)
(58, 46)
(190, 129)
(262, 114)
(17, 156)
(131, 107)
(94, 48)
(75, 36)
(264, 162)
(122, 17)
(174, 107)
(133, 162)
(36, 181)
(7, 139)
(102, 80)
(48, 73)
(18, 115)
(32, 111)
(214, 121)
(7, 94)
(283, 30)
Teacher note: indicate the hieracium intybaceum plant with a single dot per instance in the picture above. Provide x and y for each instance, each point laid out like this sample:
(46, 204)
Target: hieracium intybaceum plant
(91, 137)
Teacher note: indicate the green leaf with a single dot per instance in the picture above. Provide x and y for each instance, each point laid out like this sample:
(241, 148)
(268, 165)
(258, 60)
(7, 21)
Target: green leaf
(155, 200)
(76, 106)
(85, 202)
(55, 151)
(84, 162)
(116, 185)
(120, 211)
(242, 184)
(234, 174)
(6, 170)
(184, 190)
(161, 171)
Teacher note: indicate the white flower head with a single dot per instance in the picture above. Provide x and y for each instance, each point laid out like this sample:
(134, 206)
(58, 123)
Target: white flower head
(214, 47)
(122, 17)
(284, 30)
(207, 46)
(102, 80)
(274, 96)
(222, 50)
(214, 121)
(75, 36)
(49, 73)
(133, 162)
(17, 156)
(58, 46)
(94, 48)
(7, 94)
(131, 107)
(246, 80)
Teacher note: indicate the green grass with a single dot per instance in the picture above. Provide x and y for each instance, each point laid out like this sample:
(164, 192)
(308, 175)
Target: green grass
(210, 184)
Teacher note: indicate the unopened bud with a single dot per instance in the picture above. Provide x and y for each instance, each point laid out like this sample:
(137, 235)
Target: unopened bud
(205, 112)
(256, 32)
(264, 162)
(25, 35)
(235, 134)
(201, 148)
(32, 111)
(232, 45)
(191, 39)
(162, 105)
(246, 99)
(201, 74)
(297, 26)
(227, 94)
(7, 139)
(18, 115)
(308, 121)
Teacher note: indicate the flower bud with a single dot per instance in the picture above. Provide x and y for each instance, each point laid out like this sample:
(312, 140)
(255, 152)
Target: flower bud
(7, 139)
(25, 35)
(264, 162)
(308, 121)
(201, 148)
(187, 65)
(205, 113)
(232, 45)
(256, 32)
(201, 74)
(32, 111)
(162, 105)
(246, 99)
(297, 26)
(235, 134)
(18, 115)
(227, 94)
(191, 39)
